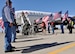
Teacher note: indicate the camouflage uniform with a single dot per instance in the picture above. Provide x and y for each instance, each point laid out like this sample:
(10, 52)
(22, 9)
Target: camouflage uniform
(26, 26)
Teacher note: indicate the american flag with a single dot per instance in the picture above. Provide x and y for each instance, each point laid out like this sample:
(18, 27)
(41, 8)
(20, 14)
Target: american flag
(57, 15)
(1, 24)
(38, 20)
(45, 18)
(50, 17)
(65, 16)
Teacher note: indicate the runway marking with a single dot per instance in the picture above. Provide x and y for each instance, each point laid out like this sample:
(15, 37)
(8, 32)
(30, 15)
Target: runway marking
(62, 49)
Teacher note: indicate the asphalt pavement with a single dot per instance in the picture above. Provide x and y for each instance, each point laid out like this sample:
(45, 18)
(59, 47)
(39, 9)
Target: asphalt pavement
(42, 43)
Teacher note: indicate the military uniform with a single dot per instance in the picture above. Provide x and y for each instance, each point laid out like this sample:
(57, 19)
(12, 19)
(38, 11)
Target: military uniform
(26, 26)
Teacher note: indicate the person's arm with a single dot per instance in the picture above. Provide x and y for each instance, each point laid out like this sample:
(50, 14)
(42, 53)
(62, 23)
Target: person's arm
(7, 14)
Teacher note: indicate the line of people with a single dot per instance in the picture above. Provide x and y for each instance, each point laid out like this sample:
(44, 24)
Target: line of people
(68, 22)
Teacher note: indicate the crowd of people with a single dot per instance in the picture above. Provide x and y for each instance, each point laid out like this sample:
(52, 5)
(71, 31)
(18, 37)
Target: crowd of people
(8, 16)
(51, 26)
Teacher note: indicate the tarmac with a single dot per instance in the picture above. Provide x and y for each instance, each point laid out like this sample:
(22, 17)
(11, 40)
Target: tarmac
(42, 43)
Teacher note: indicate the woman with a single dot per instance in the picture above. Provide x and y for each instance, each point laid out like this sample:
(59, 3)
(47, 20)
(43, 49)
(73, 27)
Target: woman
(52, 26)
(43, 27)
(70, 26)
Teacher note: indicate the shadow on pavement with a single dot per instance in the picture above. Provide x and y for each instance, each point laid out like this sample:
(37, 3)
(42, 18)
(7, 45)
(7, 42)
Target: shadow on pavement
(42, 46)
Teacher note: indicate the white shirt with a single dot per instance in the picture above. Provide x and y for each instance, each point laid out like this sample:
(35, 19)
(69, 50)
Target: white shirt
(7, 14)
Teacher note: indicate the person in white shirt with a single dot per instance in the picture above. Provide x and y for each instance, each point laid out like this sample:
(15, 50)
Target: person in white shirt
(8, 23)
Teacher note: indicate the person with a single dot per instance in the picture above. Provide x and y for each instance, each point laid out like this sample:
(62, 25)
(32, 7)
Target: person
(43, 27)
(35, 26)
(48, 27)
(26, 25)
(52, 26)
(8, 23)
(14, 25)
(62, 27)
(70, 26)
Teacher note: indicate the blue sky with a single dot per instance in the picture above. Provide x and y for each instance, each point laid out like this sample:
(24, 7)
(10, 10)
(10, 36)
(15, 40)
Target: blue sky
(43, 5)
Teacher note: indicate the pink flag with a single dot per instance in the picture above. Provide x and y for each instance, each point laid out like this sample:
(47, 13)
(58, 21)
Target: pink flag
(57, 15)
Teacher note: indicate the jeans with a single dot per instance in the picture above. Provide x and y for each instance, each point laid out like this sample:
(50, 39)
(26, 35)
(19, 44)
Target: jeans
(62, 29)
(48, 29)
(52, 30)
(8, 36)
(13, 34)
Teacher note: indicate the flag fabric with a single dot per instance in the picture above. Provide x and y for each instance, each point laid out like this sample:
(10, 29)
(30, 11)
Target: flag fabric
(50, 17)
(45, 18)
(65, 16)
(38, 20)
(57, 15)
(1, 24)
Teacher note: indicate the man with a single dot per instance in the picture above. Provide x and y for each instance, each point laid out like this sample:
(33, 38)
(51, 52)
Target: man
(62, 26)
(8, 23)
(14, 25)
(26, 25)
(35, 26)
(70, 26)
(48, 27)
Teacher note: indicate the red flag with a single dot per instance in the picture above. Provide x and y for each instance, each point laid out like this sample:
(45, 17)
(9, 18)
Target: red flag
(57, 15)
(1, 23)
(65, 16)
